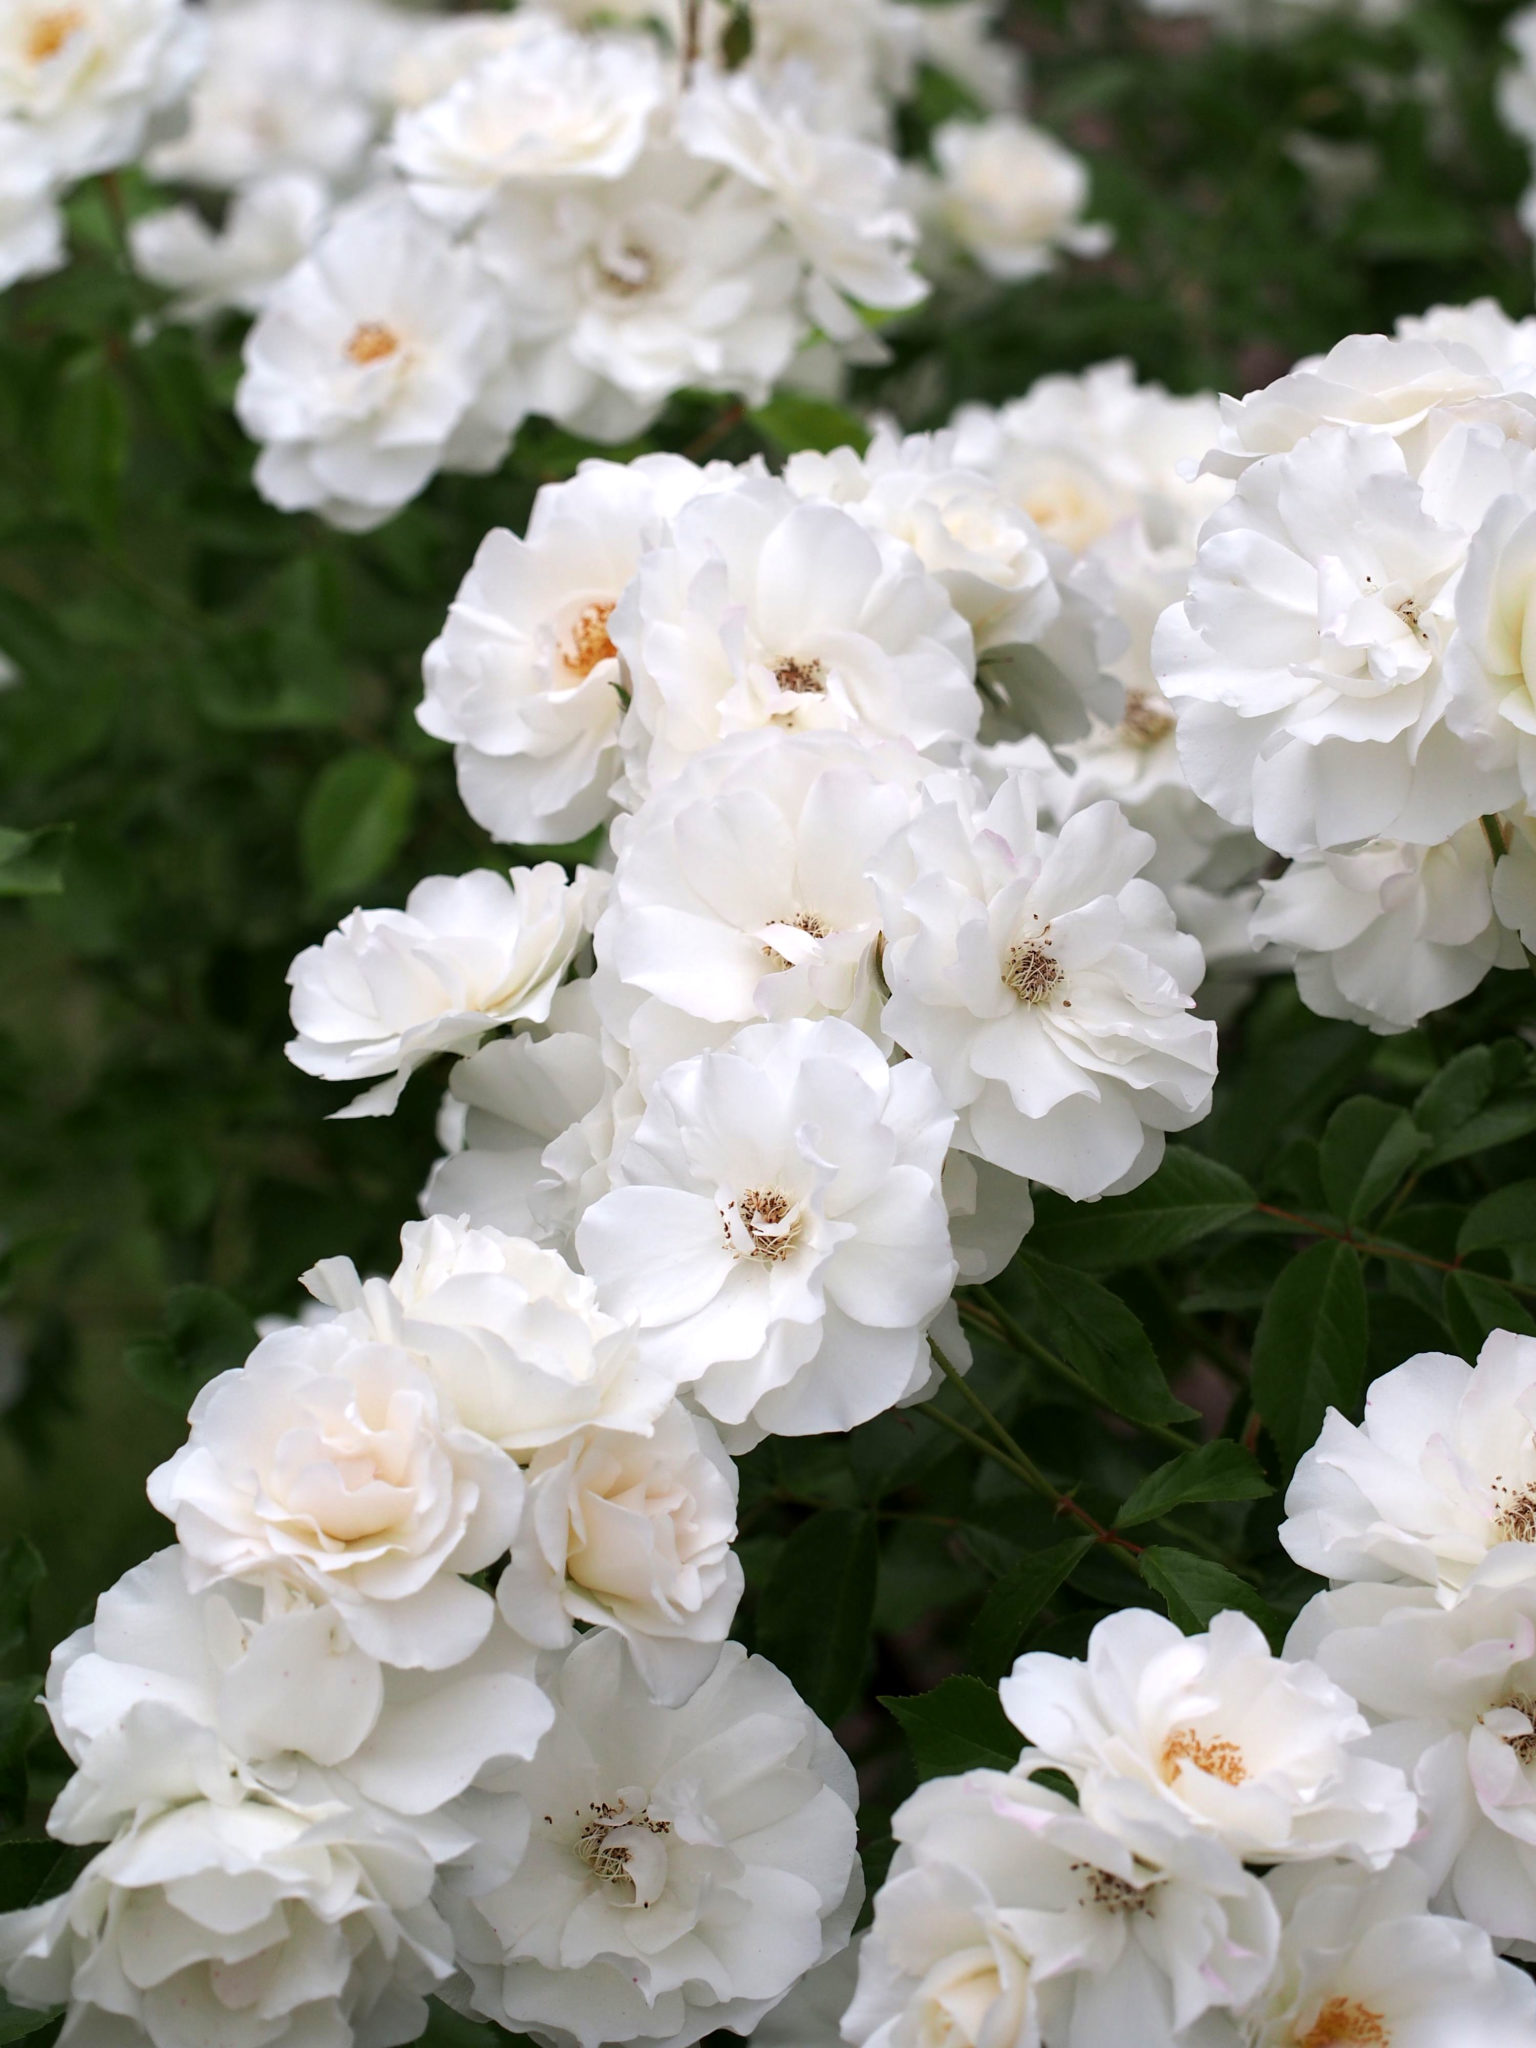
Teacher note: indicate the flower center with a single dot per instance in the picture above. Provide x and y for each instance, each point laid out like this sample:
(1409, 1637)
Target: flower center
(802, 921)
(806, 678)
(1213, 1754)
(1115, 1894)
(1524, 1746)
(628, 270)
(761, 1225)
(1516, 1517)
(51, 31)
(620, 1846)
(589, 643)
(371, 342)
(1145, 723)
(1031, 971)
(1345, 2023)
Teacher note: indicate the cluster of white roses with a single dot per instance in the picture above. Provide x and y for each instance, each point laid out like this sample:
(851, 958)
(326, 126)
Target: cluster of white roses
(445, 225)
(434, 1692)
(1354, 663)
(1381, 1774)
(81, 81)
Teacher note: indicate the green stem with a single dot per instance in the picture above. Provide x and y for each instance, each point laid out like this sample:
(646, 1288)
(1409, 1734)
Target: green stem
(1031, 1347)
(1018, 1460)
(1371, 1248)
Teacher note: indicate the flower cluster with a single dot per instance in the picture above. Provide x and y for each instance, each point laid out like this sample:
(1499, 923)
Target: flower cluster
(1351, 662)
(1204, 1843)
(444, 226)
(81, 82)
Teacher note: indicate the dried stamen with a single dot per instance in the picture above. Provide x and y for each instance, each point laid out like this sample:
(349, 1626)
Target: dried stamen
(802, 921)
(762, 1218)
(1103, 1888)
(801, 678)
(1031, 971)
(1145, 721)
(1524, 1746)
(1516, 1517)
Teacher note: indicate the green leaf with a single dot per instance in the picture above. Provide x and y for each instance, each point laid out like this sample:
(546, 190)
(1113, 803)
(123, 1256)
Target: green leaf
(796, 420)
(88, 438)
(1309, 1352)
(1187, 1198)
(1501, 1220)
(21, 1720)
(21, 1571)
(814, 1615)
(1367, 1150)
(356, 819)
(1195, 1588)
(1475, 1306)
(16, 2023)
(1095, 1333)
(1456, 1093)
(29, 1871)
(205, 1333)
(1216, 1471)
(449, 2029)
(959, 1726)
(1014, 1601)
(32, 863)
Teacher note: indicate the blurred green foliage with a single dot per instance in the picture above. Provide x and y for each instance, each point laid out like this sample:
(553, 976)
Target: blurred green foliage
(211, 754)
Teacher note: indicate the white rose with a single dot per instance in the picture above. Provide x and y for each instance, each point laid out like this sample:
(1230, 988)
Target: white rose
(1387, 932)
(778, 1229)
(1047, 988)
(1259, 1753)
(288, 85)
(1012, 196)
(86, 77)
(741, 888)
(551, 106)
(513, 1340)
(767, 612)
(1451, 1694)
(632, 1533)
(252, 1925)
(686, 1865)
(237, 1691)
(524, 678)
(334, 1462)
(1438, 1476)
(389, 988)
(31, 223)
(623, 291)
(1008, 1917)
(269, 227)
(379, 359)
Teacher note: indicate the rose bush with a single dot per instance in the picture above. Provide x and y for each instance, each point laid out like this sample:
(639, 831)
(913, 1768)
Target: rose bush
(932, 916)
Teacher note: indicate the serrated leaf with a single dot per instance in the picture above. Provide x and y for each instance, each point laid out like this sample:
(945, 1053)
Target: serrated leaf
(1475, 1306)
(959, 1726)
(1186, 1199)
(1195, 1588)
(1095, 1333)
(1014, 1601)
(1309, 1352)
(205, 1333)
(20, 1721)
(1368, 1149)
(814, 1615)
(356, 819)
(32, 863)
(1221, 1470)
(1503, 1219)
(29, 1871)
